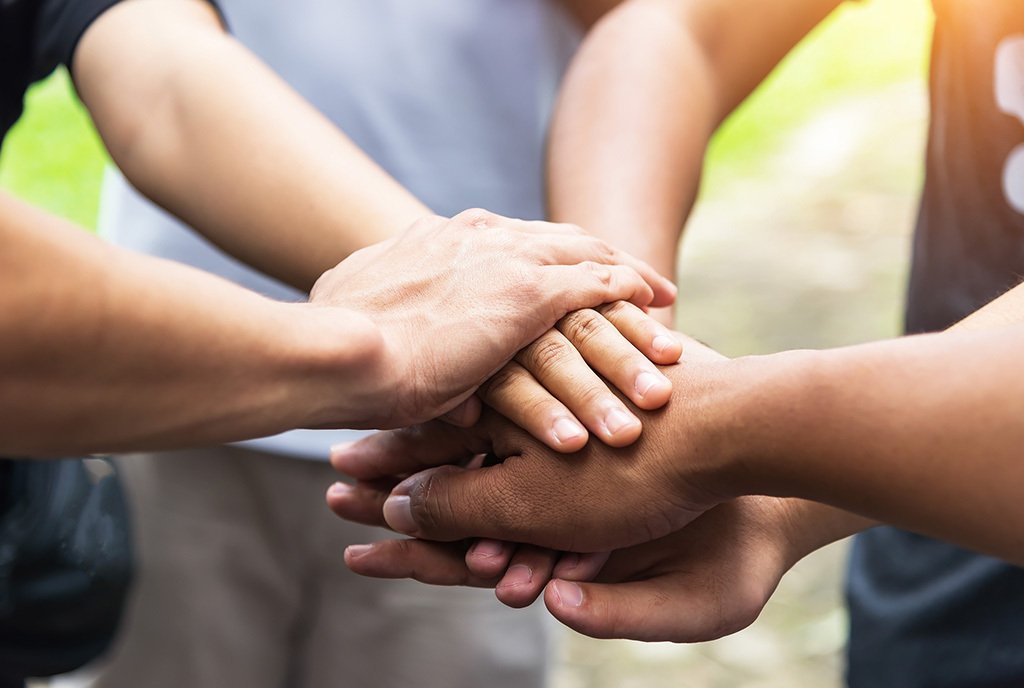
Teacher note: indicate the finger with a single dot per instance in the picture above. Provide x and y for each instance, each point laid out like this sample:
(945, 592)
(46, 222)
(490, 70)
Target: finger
(404, 451)
(527, 574)
(580, 567)
(657, 609)
(560, 370)
(515, 393)
(489, 558)
(427, 562)
(358, 504)
(567, 250)
(649, 336)
(510, 501)
(588, 285)
(445, 504)
(608, 352)
(465, 414)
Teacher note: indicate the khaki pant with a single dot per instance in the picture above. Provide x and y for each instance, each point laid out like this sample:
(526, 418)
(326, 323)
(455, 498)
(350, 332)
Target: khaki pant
(241, 583)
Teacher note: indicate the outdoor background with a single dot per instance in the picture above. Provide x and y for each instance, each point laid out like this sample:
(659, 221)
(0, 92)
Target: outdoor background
(800, 240)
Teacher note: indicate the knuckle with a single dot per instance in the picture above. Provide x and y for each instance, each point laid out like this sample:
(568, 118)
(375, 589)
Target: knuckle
(545, 356)
(582, 327)
(600, 272)
(475, 217)
(431, 502)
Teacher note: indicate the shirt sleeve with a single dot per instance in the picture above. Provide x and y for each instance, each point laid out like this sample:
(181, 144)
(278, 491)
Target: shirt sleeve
(59, 26)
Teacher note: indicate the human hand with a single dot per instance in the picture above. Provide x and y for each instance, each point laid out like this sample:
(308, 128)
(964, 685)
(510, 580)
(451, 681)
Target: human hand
(454, 300)
(552, 388)
(708, 580)
(599, 499)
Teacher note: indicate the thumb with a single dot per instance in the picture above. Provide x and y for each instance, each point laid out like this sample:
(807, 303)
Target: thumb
(451, 503)
(662, 608)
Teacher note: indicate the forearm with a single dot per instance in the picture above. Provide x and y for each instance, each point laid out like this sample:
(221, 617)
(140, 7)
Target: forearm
(197, 123)
(921, 432)
(105, 350)
(650, 84)
(628, 136)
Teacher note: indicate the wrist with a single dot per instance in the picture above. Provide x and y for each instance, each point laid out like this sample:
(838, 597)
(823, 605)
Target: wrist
(335, 361)
(804, 526)
(751, 416)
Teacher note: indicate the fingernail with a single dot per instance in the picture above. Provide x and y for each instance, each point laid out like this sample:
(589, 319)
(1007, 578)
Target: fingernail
(662, 343)
(568, 562)
(398, 514)
(566, 430)
(646, 381)
(517, 575)
(618, 420)
(569, 594)
(488, 548)
(357, 550)
(339, 489)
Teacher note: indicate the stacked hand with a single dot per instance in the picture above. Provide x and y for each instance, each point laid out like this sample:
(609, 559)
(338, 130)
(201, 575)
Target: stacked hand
(453, 301)
(673, 573)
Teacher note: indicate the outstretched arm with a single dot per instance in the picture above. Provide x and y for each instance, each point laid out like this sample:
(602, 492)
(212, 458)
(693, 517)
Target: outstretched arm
(105, 350)
(201, 126)
(102, 349)
(922, 432)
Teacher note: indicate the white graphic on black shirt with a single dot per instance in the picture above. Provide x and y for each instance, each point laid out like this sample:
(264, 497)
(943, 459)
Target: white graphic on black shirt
(1010, 97)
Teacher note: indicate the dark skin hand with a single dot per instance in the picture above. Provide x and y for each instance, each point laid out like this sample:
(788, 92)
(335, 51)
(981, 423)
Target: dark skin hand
(703, 582)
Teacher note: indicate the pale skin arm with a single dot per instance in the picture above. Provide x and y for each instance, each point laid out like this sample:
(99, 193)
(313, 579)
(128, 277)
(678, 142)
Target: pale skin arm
(102, 349)
(105, 350)
(201, 126)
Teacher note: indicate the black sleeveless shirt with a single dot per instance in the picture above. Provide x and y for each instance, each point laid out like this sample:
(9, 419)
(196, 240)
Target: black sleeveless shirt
(35, 37)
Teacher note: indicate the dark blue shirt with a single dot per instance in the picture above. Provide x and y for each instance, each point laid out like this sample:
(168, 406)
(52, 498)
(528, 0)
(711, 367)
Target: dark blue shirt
(924, 613)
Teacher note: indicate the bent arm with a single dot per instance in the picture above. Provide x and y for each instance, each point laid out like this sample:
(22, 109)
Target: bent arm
(201, 126)
(105, 350)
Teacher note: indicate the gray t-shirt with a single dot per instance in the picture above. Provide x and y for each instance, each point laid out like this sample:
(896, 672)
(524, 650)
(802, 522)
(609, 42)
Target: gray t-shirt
(924, 613)
(451, 97)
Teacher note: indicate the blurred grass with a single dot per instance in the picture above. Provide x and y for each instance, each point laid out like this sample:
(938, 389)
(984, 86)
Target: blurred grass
(863, 47)
(54, 159)
(53, 156)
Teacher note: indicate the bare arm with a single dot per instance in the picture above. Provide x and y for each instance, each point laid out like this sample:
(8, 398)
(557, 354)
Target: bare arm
(102, 349)
(921, 432)
(648, 88)
(200, 125)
